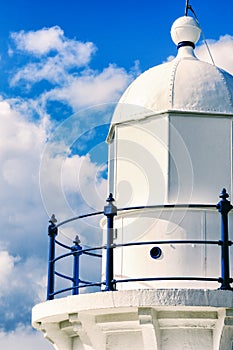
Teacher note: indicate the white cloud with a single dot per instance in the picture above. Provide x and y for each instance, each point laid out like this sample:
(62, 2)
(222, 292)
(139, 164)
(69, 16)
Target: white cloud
(39, 42)
(23, 219)
(81, 176)
(64, 64)
(21, 144)
(221, 50)
(22, 280)
(76, 188)
(92, 88)
(6, 267)
(18, 132)
(55, 53)
(23, 338)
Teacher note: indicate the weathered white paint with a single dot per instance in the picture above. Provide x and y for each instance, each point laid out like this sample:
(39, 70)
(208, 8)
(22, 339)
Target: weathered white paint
(139, 319)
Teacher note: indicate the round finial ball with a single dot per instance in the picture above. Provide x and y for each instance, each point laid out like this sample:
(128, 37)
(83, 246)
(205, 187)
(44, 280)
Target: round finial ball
(185, 29)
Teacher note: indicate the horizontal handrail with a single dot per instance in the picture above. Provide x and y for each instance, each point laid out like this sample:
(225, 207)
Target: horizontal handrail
(93, 248)
(168, 206)
(173, 278)
(62, 256)
(168, 242)
(92, 254)
(64, 276)
(140, 207)
(62, 244)
(79, 217)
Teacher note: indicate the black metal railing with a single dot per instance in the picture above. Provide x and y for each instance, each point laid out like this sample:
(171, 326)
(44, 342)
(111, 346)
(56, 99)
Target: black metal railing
(109, 284)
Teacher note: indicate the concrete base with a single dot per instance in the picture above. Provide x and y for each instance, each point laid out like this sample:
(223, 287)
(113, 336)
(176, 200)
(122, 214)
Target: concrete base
(139, 319)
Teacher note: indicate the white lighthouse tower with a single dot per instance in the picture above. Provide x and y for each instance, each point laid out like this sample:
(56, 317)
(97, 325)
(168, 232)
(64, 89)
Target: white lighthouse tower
(167, 284)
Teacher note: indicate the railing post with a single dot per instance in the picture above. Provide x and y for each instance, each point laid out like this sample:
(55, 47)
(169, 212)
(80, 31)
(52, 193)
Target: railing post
(76, 249)
(52, 232)
(224, 207)
(110, 211)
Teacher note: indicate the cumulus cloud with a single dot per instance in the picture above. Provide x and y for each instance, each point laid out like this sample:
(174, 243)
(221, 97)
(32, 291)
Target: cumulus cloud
(23, 237)
(21, 143)
(24, 281)
(6, 267)
(23, 338)
(81, 174)
(23, 256)
(22, 179)
(65, 65)
(71, 185)
(39, 42)
(221, 51)
(44, 41)
(55, 55)
(92, 88)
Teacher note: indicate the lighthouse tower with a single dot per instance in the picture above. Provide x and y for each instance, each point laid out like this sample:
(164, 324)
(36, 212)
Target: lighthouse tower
(166, 249)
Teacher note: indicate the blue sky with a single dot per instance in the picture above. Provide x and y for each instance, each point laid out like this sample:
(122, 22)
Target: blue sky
(63, 67)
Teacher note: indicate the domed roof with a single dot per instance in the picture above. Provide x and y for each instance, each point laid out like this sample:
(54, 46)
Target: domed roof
(184, 84)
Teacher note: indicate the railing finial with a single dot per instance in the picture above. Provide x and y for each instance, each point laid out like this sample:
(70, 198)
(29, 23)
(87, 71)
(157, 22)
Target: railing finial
(224, 194)
(110, 209)
(77, 240)
(110, 198)
(53, 219)
(224, 205)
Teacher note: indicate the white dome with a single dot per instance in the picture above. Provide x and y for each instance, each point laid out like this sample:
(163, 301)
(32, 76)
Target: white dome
(184, 84)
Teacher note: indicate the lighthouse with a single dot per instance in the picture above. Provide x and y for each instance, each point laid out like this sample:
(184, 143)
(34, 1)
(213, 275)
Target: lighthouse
(166, 254)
